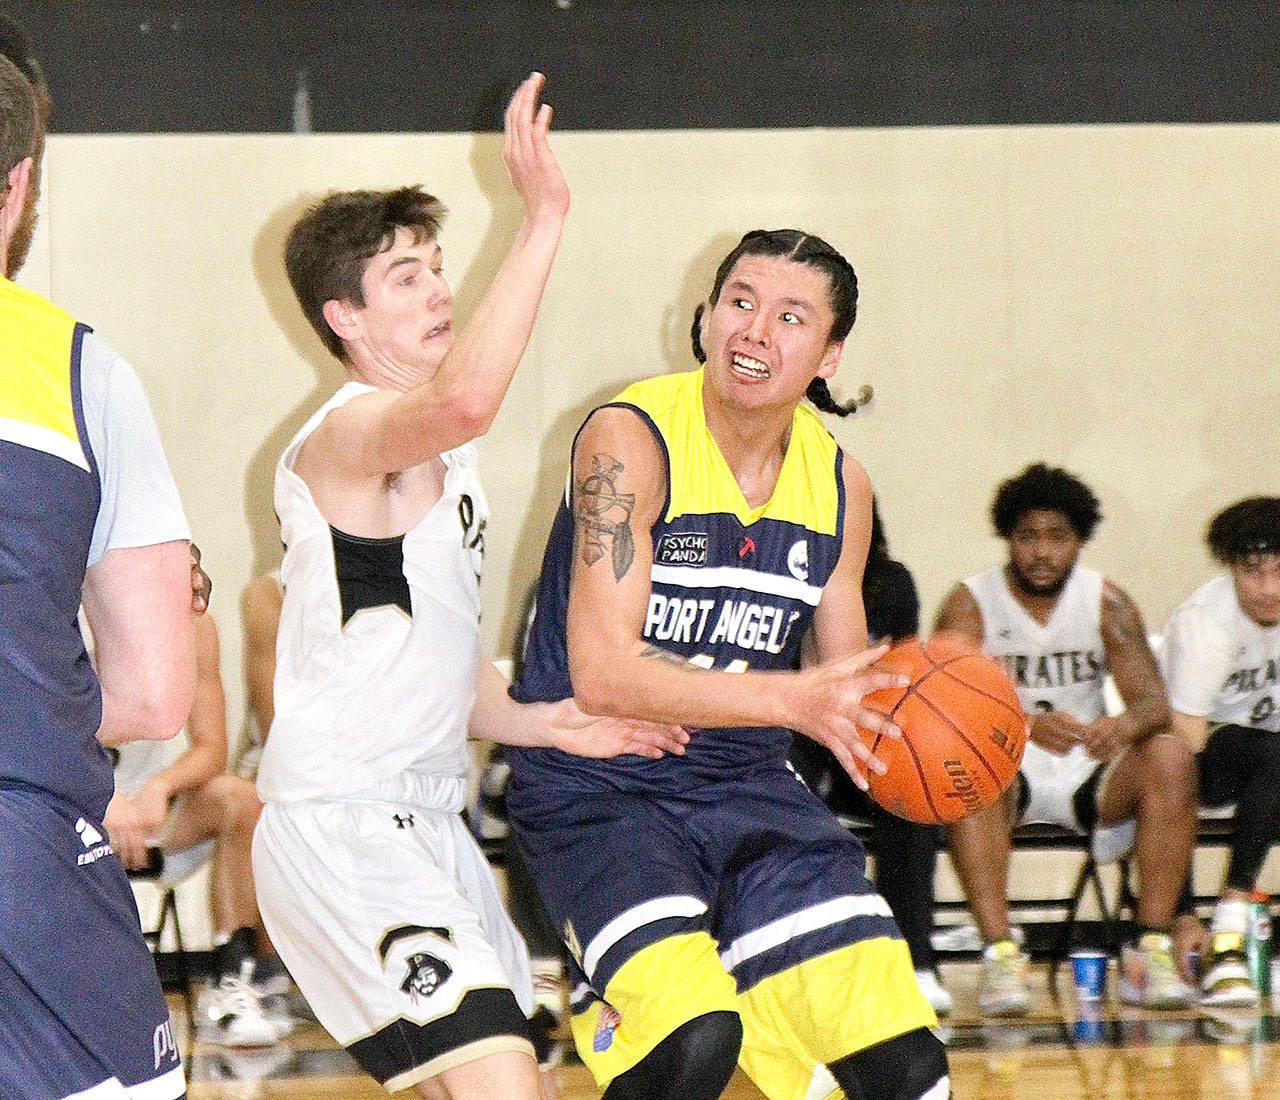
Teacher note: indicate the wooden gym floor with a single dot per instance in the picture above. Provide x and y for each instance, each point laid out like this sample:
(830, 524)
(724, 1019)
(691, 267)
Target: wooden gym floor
(1118, 1054)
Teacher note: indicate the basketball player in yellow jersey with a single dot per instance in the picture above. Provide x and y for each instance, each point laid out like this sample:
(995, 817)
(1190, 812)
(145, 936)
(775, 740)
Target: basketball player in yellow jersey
(718, 912)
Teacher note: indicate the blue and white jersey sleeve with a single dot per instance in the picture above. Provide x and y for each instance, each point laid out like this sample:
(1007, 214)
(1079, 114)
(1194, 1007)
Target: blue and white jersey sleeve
(140, 504)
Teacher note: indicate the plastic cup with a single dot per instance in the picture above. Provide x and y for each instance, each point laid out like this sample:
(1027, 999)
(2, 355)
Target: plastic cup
(1089, 972)
(1089, 1024)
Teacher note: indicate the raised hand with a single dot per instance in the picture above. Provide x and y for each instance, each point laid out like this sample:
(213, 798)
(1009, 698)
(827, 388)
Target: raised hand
(535, 172)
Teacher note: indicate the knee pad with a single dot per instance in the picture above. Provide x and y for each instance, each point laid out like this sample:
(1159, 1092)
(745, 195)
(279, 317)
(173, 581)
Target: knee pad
(907, 1067)
(694, 1062)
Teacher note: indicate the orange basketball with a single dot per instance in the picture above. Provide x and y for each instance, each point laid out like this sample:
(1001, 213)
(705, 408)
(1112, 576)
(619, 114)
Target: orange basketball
(963, 731)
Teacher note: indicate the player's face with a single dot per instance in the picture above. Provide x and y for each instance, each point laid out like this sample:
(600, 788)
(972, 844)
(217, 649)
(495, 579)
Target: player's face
(768, 334)
(406, 324)
(1043, 547)
(1257, 581)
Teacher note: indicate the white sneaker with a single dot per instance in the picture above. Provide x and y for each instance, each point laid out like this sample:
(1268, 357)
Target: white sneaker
(232, 1014)
(934, 991)
(966, 937)
(549, 988)
(1226, 980)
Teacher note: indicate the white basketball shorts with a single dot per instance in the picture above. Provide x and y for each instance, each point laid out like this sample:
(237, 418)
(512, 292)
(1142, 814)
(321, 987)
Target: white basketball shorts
(388, 918)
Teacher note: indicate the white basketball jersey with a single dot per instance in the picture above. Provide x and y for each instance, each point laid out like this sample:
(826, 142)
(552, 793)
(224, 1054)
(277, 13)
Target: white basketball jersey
(1060, 665)
(376, 656)
(1218, 663)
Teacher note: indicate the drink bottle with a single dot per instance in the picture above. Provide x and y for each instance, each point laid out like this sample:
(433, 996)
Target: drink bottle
(1258, 942)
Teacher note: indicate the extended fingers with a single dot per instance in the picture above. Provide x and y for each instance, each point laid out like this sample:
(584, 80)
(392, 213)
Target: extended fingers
(518, 114)
(523, 114)
(841, 752)
(858, 661)
(542, 123)
(653, 740)
(876, 722)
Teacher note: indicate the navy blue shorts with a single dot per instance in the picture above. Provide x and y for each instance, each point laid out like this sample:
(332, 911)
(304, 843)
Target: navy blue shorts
(82, 1005)
(756, 860)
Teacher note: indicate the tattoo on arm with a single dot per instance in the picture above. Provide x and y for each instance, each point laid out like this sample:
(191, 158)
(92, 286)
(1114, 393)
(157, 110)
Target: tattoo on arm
(656, 654)
(1124, 618)
(603, 515)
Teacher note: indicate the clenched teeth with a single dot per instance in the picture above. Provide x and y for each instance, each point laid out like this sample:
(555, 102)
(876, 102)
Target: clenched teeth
(747, 365)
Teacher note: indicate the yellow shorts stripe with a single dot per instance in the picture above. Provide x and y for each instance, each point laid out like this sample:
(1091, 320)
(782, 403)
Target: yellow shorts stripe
(658, 989)
(825, 1009)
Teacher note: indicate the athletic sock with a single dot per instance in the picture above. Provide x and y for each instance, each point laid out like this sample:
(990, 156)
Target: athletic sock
(230, 955)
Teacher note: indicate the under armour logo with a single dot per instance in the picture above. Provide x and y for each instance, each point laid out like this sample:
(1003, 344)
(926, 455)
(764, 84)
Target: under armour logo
(405, 822)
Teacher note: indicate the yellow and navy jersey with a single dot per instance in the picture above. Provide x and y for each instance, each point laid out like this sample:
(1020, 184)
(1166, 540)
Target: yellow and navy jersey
(731, 587)
(50, 704)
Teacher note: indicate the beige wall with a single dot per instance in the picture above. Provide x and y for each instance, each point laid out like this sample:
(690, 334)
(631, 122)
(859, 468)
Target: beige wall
(1102, 297)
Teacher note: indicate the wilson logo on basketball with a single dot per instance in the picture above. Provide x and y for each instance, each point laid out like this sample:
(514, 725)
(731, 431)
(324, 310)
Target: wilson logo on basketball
(964, 787)
(1009, 746)
(963, 731)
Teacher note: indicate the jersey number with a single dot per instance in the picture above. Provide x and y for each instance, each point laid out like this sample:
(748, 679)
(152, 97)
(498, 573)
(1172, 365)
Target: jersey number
(472, 531)
(705, 660)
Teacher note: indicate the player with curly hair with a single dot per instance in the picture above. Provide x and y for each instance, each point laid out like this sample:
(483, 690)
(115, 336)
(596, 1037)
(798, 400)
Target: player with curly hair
(1059, 628)
(1221, 660)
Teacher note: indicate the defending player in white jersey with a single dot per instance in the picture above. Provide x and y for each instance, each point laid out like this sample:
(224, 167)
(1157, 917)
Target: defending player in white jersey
(1058, 628)
(373, 891)
(1220, 655)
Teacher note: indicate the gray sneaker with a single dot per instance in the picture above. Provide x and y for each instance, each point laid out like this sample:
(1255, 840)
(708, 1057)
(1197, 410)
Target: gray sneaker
(1149, 976)
(1003, 989)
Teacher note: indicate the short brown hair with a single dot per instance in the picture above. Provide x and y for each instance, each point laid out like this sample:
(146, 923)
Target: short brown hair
(19, 121)
(330, 246)
(15, 44)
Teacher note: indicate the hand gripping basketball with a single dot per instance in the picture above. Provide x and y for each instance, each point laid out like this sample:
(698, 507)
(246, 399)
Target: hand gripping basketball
(830, 707)
(963, 731)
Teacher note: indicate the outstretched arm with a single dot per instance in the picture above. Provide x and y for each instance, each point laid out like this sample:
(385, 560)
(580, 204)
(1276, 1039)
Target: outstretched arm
(388, 431)
(497, 717)
(619, 488)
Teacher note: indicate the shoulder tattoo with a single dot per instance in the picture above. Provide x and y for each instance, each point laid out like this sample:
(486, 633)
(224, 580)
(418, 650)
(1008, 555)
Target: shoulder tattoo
(603, 515)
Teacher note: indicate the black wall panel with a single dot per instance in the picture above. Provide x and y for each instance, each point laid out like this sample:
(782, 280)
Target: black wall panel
(125, 65)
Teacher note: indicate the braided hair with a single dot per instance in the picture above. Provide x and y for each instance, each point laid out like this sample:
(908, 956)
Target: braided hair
(801, 248)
